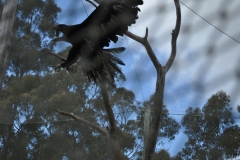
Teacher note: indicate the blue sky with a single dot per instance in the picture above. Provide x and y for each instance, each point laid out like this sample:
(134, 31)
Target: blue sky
(207, 60)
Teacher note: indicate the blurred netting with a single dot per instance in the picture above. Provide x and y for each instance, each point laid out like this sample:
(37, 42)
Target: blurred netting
(207, 62)
(209, 43)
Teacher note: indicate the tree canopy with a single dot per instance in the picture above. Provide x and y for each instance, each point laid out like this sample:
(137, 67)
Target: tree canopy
(30, 129)
(207, 129)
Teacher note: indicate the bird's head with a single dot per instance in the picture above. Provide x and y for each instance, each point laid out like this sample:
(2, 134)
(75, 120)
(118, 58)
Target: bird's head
(60, 28)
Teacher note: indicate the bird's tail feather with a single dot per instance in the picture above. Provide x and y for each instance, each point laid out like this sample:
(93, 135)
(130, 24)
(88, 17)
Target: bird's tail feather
(114, 50)
(103, 65)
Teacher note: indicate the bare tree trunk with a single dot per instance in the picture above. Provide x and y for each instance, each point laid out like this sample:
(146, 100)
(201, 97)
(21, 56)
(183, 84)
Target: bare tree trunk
(158, 98)
(156, 116)
(7, 19)
(112, 128)
(147, 119)
(150, 145)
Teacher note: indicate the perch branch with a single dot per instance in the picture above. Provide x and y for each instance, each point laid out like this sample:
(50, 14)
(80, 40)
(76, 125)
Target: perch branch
(175, 33)
(148, 47)
(112, 129)
(158, 99)
(107, 105)
(103, 131)
(161, 72)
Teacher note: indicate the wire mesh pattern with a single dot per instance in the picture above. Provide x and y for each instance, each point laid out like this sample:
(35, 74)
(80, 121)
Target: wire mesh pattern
(207, 63)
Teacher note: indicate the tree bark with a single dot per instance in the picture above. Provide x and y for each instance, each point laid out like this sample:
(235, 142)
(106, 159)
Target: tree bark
(150, 145)
(112, 128)
(7, 19)
(7, 15)
(111, 132)
(101, 130)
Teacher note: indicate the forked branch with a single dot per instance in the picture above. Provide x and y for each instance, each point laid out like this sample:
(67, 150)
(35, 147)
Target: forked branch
(145, 43)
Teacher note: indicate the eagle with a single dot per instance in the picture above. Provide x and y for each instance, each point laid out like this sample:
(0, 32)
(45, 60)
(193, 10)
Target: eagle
(109, 20)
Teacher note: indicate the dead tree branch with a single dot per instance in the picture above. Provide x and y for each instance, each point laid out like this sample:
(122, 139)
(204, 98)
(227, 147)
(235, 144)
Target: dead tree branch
(175, 33)
(161, 73)
(158, 99)
(111, 132)
(103, 131)
(148, 47)
(112, 139)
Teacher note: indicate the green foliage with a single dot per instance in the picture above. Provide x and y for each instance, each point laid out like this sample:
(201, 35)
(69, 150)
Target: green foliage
(169, 127)
(162, 154)
(230, 141)
(34, 97)
(31, 33)
(206, 129)
(30, 129)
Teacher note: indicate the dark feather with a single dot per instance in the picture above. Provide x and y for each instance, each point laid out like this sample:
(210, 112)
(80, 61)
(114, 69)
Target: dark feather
(108, 21)
(114, 50)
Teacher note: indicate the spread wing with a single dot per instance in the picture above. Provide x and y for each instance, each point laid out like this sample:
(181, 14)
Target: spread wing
(111, 19)
(108, 21)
